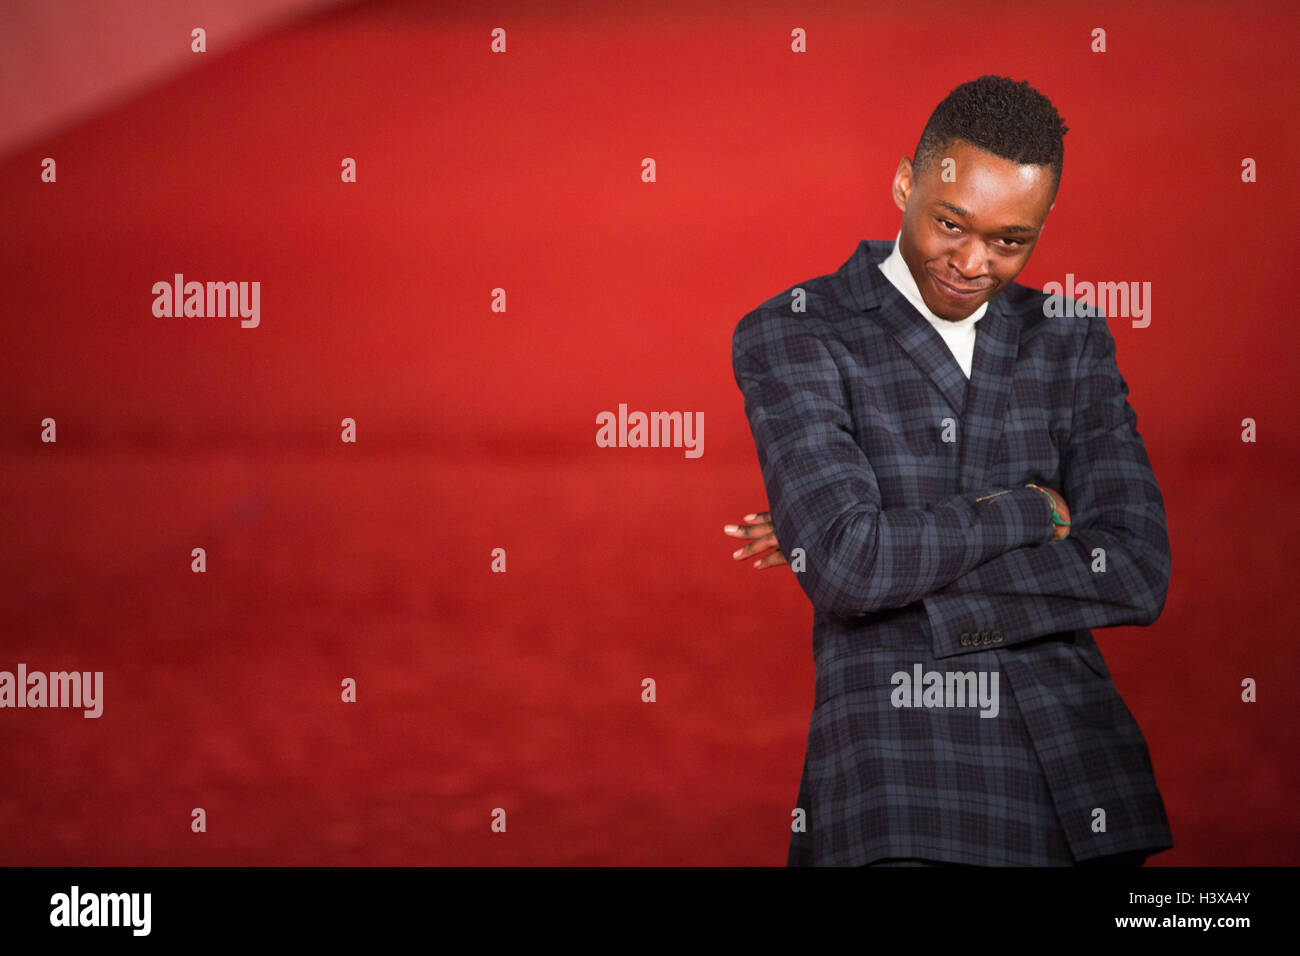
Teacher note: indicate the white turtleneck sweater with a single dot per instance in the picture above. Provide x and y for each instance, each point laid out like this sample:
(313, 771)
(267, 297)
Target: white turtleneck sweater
(960, 335)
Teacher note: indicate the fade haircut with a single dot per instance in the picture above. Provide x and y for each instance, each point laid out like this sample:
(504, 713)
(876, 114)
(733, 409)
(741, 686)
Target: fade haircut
(1000, 116)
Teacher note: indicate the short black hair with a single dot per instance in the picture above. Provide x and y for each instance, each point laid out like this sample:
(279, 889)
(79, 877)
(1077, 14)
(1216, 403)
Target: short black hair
(1000, 116)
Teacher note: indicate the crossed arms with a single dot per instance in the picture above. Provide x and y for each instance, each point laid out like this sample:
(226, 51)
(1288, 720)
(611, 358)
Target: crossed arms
(973, 565)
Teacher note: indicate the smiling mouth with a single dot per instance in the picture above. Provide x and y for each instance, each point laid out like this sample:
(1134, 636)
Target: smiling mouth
(954, 290)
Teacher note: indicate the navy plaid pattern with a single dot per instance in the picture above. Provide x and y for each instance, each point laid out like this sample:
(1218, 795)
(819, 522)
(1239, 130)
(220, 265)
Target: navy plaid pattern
(849, 402)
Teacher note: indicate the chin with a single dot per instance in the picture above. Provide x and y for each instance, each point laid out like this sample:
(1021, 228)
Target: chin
(945, 312)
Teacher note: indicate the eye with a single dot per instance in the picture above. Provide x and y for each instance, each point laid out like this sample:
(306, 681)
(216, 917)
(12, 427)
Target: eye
(1012, 242)
(947, 224)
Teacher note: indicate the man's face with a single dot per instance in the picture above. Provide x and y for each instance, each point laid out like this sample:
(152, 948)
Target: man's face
(966, 240)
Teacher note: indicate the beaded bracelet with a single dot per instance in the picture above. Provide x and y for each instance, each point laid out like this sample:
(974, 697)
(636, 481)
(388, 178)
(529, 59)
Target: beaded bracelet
(1056, 517)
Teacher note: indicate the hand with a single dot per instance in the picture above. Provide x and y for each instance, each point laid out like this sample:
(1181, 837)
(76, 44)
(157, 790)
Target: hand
(1062, 509)
(758, 530)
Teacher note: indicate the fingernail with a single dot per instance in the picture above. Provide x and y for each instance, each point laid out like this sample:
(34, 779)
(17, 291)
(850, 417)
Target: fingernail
(737, 554)
(730, 527)
(758, 562)
(751, 517)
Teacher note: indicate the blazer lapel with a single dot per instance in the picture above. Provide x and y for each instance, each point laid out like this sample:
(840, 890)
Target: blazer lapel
(997, 344)
(925, 346)
(871, 291)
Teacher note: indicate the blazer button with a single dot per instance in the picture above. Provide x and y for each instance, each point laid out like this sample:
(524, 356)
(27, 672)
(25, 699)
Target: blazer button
(965, 639)
(997, 637)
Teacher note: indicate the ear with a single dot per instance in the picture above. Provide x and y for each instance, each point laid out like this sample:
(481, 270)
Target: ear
(902, 183)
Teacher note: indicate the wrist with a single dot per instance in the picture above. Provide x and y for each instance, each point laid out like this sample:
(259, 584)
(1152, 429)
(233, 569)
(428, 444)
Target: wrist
(1057, 520)
(1020, 511)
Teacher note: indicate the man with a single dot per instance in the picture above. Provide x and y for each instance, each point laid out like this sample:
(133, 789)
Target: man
(955, 474)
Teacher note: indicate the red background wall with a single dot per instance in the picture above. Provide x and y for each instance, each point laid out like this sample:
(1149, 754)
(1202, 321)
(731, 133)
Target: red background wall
(476, 429)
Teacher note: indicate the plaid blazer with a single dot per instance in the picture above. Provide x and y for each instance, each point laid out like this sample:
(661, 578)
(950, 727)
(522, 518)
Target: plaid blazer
(876, 452)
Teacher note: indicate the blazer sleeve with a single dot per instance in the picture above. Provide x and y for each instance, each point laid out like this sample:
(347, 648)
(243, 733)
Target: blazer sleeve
(1112, 568)
(824, 496)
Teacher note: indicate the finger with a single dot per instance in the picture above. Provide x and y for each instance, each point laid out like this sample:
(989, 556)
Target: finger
(755, 547)
(775, 559)
(747, 530)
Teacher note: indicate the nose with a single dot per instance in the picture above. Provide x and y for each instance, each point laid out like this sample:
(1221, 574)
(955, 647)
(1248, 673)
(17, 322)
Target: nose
(968, 258)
